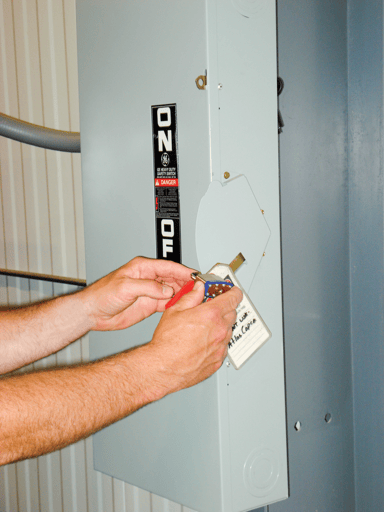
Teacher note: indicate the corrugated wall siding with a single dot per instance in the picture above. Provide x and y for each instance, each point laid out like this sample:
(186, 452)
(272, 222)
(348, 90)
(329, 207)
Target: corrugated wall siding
(40, 190)
(41, 230)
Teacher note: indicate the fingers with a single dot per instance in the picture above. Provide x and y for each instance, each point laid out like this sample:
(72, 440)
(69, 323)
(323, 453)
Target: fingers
(191, 299)
(229, 301)
(147, 268)
(226, 303)
(231, 318)
(195, 336)
(149, 288)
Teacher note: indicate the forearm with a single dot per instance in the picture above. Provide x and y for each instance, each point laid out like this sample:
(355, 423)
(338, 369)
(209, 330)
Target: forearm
(44, 411)
(120, 299)
(32, 332)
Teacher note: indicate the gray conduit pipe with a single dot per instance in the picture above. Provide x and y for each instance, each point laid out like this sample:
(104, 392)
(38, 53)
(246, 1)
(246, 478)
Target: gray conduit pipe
(39, 136)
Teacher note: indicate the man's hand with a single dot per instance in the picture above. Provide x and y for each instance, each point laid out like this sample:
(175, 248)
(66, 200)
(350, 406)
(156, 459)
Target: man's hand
(191, 340)
(189, 344)
(133, 292)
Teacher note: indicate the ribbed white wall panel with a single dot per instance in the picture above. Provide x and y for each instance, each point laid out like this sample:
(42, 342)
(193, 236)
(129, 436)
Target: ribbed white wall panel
(40, 190)
(41, 230)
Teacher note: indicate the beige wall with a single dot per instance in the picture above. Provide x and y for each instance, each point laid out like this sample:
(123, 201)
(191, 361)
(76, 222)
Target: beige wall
(41, 208)
(41, 230)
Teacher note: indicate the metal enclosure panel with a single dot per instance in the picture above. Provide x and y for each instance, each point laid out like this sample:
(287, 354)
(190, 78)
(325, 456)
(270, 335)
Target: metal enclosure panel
(219, 446)
(315, 248)
(141, 67)
(366, 200)
(248, 146)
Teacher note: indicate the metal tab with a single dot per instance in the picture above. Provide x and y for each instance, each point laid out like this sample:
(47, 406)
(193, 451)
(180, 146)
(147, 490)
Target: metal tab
(237, 262)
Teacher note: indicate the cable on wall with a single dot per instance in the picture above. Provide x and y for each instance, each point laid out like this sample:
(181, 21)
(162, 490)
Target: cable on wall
(39, 136)
(43, 277)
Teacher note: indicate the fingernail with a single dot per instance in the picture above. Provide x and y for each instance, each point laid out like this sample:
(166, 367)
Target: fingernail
(167, 290)
(198, 285)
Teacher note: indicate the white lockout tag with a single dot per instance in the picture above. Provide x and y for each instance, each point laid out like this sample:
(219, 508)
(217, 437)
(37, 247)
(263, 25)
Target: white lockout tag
(249, 332)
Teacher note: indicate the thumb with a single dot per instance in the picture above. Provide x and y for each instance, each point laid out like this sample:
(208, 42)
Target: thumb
(191, 299)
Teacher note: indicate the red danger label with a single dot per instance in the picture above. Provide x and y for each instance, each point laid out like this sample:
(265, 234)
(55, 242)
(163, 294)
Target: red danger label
(166, 183)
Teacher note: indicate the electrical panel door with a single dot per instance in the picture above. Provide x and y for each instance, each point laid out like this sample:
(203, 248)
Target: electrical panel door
(178, 106)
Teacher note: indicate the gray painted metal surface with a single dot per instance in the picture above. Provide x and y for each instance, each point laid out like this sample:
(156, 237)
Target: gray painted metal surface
(220, 446)
(366, 243)
(315, 248)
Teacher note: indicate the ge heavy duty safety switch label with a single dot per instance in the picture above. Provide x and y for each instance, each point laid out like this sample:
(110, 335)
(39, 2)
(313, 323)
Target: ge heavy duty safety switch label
(166, 173)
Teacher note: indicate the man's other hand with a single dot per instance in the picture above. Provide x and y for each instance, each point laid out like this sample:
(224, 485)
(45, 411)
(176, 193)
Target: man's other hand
(191, 339)
(133, 292)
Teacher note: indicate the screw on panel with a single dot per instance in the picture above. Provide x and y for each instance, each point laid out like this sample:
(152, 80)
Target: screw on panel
(220, 86)
(228, 363)
(263, 253)
(328, 417)
(262, 211)
(298, 426)
(226, 175)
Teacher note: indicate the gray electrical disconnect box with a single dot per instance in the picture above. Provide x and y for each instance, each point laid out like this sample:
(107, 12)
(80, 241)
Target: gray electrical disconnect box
(179, 146)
